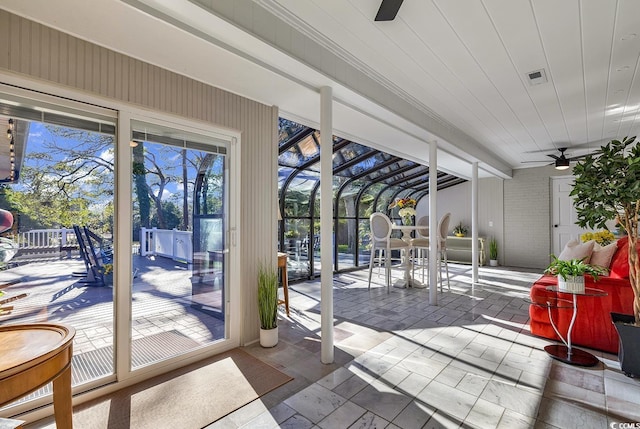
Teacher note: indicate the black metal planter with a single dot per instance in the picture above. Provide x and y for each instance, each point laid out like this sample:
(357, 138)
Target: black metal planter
(629, 351)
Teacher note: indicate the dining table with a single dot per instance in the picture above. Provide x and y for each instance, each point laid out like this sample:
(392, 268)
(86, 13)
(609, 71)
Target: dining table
(407, 262)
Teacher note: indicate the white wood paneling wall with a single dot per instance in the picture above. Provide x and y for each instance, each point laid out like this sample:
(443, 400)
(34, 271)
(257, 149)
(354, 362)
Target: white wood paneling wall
(40, 52)
(457, 201)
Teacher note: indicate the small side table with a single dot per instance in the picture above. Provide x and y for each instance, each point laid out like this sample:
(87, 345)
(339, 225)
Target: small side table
(566, 352)
(32, 356)
(282, 265)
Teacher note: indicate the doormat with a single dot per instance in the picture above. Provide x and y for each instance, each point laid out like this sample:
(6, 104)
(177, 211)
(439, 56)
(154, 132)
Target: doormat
(190, 397)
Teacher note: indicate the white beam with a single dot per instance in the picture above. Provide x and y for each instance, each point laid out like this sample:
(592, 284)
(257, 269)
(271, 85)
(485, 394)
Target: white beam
(474, 222)
(326, 224)
(433, 223)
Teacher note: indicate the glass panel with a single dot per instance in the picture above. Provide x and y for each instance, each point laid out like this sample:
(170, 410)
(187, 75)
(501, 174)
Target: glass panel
(296, 203)
(179, 222)
(297, 247)
(346, 205)
(367, 164)
(346, 242)
(57, 201)
(283, 175)
(349, 152)
(385, 199)
(365, 209)
(300, 153)
(288, 130)
(347, 238)
(364, 241)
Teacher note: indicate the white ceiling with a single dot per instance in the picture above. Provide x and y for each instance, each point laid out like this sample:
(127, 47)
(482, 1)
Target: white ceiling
(450, 71)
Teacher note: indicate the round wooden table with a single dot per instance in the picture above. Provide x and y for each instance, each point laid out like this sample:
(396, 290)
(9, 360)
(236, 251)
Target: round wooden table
(32, 356)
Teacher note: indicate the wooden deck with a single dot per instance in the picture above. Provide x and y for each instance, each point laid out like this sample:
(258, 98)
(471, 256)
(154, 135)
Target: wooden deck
(167, 317)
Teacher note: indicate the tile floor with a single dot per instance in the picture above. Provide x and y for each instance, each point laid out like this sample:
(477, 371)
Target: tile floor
(468, 362)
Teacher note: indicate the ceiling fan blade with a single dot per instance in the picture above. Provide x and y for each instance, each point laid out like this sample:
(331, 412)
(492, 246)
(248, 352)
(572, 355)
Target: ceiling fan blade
(576, 158)
(556, 157)
(388, 10)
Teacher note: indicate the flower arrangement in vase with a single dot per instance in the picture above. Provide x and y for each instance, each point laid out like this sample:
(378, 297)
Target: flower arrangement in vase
(407, 209)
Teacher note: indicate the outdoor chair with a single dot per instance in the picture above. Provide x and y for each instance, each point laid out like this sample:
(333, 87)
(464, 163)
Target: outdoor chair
(93, 256)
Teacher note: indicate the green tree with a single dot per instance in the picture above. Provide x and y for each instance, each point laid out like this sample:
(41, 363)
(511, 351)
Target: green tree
(67, 181)
(607, 187)
(140, 183)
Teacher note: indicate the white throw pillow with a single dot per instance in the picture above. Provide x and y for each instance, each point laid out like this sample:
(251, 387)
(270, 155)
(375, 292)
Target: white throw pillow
(602, 255)
(576, 250)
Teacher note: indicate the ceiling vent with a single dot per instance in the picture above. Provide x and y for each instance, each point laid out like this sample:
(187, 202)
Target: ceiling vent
(537, 77)
(388, 10)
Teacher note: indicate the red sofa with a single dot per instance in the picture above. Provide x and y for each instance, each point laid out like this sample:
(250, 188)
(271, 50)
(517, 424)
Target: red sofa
(593, 327)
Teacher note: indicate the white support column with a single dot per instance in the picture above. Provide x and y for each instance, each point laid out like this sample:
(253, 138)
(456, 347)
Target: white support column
(122, 264)
(474, 222)
(326, 225)
(433, 223)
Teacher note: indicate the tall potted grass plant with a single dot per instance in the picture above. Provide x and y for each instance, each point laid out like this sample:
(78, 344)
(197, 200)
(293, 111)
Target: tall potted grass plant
(268, 305)
(493, 252)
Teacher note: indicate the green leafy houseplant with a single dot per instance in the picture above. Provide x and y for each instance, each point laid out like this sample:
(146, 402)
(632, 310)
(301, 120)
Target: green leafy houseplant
(574, 267)
(607, 187)
(460, 230)
(493, 249)
(267, 297)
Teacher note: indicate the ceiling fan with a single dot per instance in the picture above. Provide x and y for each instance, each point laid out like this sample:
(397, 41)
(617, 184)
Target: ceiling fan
(388, 10)
(561, 162)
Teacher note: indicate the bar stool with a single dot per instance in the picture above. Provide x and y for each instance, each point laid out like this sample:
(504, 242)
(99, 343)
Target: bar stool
(421, 244)
(282, 265)
(381, 240)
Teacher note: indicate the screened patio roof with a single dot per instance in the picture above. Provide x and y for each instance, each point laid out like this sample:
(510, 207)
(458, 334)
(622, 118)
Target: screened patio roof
(354, 165)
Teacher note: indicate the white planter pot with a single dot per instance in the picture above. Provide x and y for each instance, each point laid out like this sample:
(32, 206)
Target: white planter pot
(572, 284)
(269, 337)
(493, 262)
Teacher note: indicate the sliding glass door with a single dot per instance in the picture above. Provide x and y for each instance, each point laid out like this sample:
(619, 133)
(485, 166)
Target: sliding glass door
(87, 194)
(57, 200)
(180, 262)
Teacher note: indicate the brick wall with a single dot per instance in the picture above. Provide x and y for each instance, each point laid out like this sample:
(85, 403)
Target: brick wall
(527, 217)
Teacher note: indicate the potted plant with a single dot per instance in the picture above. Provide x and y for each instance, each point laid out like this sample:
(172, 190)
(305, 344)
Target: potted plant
(493, 252)
(107, 274)
(460, 230)
(606, 188)
(571, 273)
(268, 305)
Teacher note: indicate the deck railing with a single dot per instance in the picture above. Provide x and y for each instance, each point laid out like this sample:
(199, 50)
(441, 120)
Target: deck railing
(173, 244)
(170, 243)
(43, 240)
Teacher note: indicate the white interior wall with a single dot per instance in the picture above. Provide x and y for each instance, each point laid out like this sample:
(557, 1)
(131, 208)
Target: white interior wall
(457, 201)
